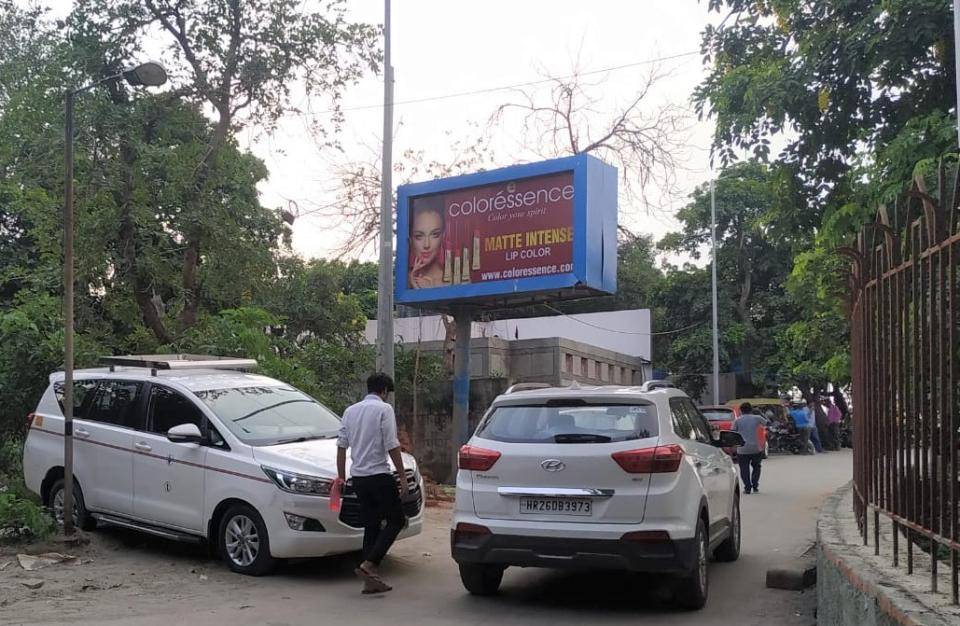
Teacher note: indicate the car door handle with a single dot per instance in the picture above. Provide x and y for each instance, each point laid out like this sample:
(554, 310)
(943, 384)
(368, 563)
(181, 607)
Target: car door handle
(142, 446)
(81, 433)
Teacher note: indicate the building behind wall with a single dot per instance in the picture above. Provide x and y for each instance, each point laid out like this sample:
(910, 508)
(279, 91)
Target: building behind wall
(597, 348)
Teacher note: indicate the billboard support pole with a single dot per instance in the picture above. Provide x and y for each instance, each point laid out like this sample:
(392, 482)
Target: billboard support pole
(463, 318)
(385, 337)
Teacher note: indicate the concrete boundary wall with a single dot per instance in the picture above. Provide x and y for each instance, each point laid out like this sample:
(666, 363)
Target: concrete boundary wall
(855, 587)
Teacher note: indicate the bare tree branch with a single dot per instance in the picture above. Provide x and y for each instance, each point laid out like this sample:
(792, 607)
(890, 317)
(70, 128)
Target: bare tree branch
(642, 138)
(358, 194)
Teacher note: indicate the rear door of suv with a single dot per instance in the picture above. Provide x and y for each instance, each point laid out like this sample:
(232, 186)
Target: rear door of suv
(103, 444)
(711, 463)
(556, 460)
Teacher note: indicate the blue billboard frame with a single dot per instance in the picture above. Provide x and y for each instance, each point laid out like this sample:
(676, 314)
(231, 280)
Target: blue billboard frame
(594, 241)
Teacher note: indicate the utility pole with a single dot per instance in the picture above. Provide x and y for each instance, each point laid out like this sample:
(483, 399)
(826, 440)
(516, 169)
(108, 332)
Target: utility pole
(956, 57)
(385, 279)
(68, 318)
(713, 244)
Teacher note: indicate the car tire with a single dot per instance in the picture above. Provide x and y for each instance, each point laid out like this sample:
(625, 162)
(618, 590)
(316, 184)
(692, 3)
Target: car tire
(729, 550)
(243, 541)
(81, 517)
(692, 589)
(481, 580)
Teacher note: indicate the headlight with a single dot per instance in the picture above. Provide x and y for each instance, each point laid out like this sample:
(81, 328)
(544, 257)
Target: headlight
(298, 483)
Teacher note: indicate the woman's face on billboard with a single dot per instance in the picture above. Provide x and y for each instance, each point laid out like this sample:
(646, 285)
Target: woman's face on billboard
(427, 233)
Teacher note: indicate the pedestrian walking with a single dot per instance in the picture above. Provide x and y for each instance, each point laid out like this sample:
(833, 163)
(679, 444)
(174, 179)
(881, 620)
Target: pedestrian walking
(833, 422)
(750, 454)
(369, 431)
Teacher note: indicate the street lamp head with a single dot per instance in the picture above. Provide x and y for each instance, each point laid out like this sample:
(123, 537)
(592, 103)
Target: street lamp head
(149, 74)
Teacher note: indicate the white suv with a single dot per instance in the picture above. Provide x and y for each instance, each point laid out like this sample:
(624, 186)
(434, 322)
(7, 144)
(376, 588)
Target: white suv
(196, 452)
(626, 478)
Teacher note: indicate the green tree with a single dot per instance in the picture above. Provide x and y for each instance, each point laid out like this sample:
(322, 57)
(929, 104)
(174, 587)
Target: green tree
(309, 297)
(858, 91)
(240, 60)
(754, 261)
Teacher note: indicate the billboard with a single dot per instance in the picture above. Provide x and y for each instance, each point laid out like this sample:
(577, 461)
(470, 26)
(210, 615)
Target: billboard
(546, 228)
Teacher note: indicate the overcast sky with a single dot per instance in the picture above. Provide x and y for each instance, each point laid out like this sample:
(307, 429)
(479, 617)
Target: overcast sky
(443, 47)
(450, 47)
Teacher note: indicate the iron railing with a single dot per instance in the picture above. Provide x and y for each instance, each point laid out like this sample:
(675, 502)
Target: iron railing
(904, 319)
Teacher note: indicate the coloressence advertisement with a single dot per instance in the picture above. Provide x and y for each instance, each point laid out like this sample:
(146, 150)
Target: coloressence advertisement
(505, 231)
(534, 231)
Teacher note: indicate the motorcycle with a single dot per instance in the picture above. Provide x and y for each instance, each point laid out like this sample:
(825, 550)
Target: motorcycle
(783, 438)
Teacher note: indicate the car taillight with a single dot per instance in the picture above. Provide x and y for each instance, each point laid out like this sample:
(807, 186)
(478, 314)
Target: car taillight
(477, 459)
(30, 419)
(658, 460)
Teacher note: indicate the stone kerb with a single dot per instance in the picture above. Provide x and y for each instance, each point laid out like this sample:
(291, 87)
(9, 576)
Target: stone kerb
(855, 587)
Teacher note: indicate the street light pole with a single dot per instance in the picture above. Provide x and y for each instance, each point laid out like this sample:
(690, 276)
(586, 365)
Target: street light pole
(716, 340)
(149, 74)
(385, 277)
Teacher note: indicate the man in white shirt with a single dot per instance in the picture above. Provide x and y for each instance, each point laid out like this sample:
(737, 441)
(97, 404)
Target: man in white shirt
(369, 430)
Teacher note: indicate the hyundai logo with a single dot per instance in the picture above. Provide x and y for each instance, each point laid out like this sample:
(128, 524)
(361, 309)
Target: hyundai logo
(553, 465)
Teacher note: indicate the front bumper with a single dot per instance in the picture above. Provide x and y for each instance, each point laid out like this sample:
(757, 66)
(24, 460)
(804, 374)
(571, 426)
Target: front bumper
(674, 556)
(341, 532)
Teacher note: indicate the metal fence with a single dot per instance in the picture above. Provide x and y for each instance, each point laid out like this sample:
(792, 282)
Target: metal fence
(905, 377)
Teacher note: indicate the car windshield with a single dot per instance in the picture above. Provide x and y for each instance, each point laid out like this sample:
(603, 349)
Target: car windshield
(717, 415)
(570, 424)
(264, 416)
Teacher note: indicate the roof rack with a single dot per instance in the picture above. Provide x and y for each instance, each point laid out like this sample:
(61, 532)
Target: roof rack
(650, 385)
(525, 387)
(178, 362)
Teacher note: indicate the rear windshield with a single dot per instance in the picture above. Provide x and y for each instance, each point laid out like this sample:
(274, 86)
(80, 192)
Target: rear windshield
(717, 415)
(593, 423)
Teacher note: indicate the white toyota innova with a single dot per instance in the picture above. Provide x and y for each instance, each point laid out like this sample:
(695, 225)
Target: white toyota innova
(193, 449)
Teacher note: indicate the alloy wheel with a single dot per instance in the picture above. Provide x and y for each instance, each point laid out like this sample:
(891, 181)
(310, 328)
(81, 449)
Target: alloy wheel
(702, 562)
(58, 508)
(242, 540)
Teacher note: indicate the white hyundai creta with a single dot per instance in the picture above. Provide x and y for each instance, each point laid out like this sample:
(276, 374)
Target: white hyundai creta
(626, 478)
(193, 450)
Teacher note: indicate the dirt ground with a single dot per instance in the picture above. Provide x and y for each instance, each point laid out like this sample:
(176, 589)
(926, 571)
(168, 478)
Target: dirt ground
(125, 578)
(123, 573)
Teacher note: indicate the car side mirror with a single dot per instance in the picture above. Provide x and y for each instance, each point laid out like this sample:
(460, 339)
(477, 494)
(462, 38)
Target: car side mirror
(185, 433)
(728, 439)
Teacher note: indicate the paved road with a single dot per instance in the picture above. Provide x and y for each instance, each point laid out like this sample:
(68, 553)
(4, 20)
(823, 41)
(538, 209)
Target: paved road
(778, 526)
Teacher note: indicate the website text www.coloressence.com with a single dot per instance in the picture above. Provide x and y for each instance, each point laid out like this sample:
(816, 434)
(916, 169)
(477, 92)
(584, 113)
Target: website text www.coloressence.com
(526, 272)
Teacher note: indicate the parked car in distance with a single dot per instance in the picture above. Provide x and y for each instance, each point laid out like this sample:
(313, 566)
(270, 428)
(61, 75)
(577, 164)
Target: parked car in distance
(192, 449)
(622, 478)
(720, 417)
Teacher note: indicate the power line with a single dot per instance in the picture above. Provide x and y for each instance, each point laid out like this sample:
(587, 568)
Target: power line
(474, 92)
(623, 332)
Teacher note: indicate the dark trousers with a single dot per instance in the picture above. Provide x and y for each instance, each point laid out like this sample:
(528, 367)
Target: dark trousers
(834, 435)
(751, 481)
(379, 503)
